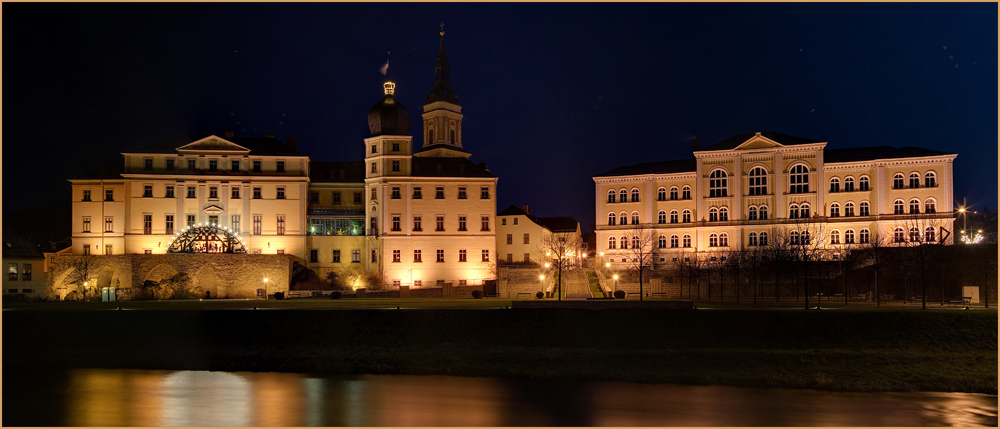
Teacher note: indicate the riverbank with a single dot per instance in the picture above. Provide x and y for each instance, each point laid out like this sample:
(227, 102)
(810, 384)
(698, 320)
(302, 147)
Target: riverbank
(886, 350)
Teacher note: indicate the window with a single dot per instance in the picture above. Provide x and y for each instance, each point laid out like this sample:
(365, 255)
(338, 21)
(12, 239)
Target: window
(752, 239)
(109, 195)
(451, 136)
(673, 216)
(915, 234)
(793, 238)
(462, 256)
(395, 146)
(169, 223)
(752, 213)
(280, 167)
(635, 195)
(235, 193)
(213, 220)
(313, 255)
(281, 193)
(527, 238)
(86, 249)
(849, 184)
(213, 192)
(930, 206)
(635, 218)
(190, 221)
(758, 181)
(355, 256)
(147, 223)
(374, 149)
(834, 185)
(624, 242)
(314, 197)
(724, 214)
(804, 211)
(418, 283)
(169, 193)
(713, 214)
(661, 194)
(440, 223)
(416, 256)
(191, 192)
(486, 255)
(335, 197)
(374, 168)
(213, 165)
(336, 256)
(503, 221)
(674, 241)
(191, 164)
(611, 219)
(898, 235)
(461, 193)
(897, 181)
(930, 179)
(109, 224)
(234, 165)
(484, 193)
(357, 198)
(686, 215)
(687, 240)
(86, 195)
(12, 269)
(515, 221)
(417, 224)
(897, 207)
(834, 210)
(440, 255)
(461, 223)
(397, 255)
(170, 164)
(26, 272)
(485, 223)
(798, 179)
(236, 223)
(713, 240)
(763, 239)
(673, 193)
(395, 193)
(661, 242)
(257, 220)
(396, 223)
(257, 192)
(611, 242)
(86, 224)
(527, 257)
(863, 209)
(793, 211)
(147, 191)
(439, 193)
(374, 256)
(510, 238)
(686, 193)
(929, 234)
(661, 217)
(635, 242)
(611, 196)
(622, 196)
(849, 209)
(717, 183)
(914, 180)
(914, 206)
(256, 166)
(863, 183)
(724, 240)
(835, 237)
(849, 236)
(395, 165)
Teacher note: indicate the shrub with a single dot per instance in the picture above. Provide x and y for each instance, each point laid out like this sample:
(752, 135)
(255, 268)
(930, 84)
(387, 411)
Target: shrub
(335, 294)
(619, 294)
(279, 295)
(540, 295)
(477, 294)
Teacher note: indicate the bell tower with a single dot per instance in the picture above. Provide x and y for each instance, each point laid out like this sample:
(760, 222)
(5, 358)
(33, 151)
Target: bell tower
(442, 113)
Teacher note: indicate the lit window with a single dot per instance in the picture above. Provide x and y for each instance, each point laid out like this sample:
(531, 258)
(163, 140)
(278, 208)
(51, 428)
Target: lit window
(485, 255)
(717, 183)
(798, 180)
(235, 223)
(356, 256)
(86, 224)
(758, 181)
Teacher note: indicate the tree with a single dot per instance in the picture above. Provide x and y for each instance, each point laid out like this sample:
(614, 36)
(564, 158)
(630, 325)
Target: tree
(84, 268)
(985, 257)
(874, 254)
(640, 253)
(561, 252)
(846, 254)
(807, 240)
(753, 258)
(777, 253)
(922, 243)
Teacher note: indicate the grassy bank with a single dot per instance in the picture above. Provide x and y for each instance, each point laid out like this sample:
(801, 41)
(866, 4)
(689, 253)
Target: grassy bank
(852, 351)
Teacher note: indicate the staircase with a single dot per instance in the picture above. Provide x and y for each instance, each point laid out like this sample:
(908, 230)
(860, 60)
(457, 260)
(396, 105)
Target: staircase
(576, 283)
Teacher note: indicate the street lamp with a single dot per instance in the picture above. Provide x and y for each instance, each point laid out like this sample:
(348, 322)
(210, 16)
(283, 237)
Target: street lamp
(541, 281)
(615, 285)
(84, 291)
(265, 287)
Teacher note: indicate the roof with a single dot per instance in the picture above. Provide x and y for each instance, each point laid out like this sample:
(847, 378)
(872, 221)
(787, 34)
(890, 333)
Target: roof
(658, 167)
(337, 172)
(448, 167)
(784, 139)
(110, 171)
(512, 211)
(442, 146)
(558, 224)
(877, 152)
(257, 145)
(17, 247)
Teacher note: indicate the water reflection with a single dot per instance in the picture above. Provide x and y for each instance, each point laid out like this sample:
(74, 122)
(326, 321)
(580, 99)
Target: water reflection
(202, 398)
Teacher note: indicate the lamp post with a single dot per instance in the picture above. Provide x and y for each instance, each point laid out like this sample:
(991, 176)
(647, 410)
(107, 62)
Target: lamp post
(265, 288)
(615, 287)
(84, 291)
(541, 280)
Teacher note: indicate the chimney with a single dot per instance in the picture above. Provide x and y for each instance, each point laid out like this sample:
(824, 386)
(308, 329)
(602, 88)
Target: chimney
(697, 144)
(228, 134)
(526, 209)
(269, 135)
(291, 142)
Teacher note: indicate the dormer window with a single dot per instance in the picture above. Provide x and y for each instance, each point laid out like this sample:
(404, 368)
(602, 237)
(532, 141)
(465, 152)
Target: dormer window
(395, 146)
(281, 167)
(147, 164)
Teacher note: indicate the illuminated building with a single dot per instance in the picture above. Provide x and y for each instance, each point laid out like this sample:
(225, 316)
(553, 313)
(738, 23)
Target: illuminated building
(522, 237)
(24, 263)
(751, 189)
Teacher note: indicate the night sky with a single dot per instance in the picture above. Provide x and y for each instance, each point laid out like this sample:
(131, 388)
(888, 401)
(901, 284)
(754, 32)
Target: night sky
(553, 94)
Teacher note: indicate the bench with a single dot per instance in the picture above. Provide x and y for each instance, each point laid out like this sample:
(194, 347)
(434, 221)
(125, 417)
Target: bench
(965, 300)
(861, 296)
(526, 293)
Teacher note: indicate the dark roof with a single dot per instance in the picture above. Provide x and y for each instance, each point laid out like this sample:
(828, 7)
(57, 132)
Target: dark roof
(512, 211)
(389, 117)
(448, 167)
(558, 224)
(110, 171)
(18, 247)
(257, 145)
(877, 152)
(442, 90)
(442, 146)
(658, 167)
(784, 139)
(337, 172)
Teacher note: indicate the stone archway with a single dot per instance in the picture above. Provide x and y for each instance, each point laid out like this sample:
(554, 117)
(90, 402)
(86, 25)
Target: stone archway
(208, 281)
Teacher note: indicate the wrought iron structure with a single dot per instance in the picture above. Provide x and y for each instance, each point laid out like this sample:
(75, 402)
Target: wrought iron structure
(206, 239)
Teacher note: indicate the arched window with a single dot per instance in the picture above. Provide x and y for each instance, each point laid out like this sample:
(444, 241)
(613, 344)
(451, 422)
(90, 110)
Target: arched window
(757, 181)
(793, 211)
(635, 218)
(661, 194)
(687, 240)
(793, 237)
(623, 218)
(611, 242)
(835, 237)
(849, 236)
(897, 181)
(763, 239)
(724, 214)
(624, 242)
(718, 183)
(713, 240)
(914, 206)
(849, 184)
(897, 207)
(834, 210)
(915, 234)
(898, 235)
(929, 234)
(752, 213)
(635, 195)
(834, 185)
(804, 211)
(673, 193)
(673, 216)
(914, 180)
(864, 209)
(611, 196)
(763, 212)
(635, 241)
(849, 209)
(713, 214)
(724, 239)
(662, 242)
(622, 196)
(686, 216)
(930, 206)
(752, 239)
(805, 237)
(930, 179)
(661, 217)
(864, 236)
(673, 241)
(863, 183)
(798, 180)
(686, 192)
(611, 219)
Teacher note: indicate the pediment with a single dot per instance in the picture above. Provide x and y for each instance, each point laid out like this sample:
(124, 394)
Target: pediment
(213, 208)
(213, 144)
(758, 142)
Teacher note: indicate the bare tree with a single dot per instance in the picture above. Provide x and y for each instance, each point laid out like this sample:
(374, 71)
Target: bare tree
(874, 253)
(808, 240)
(640, 253)
(737, 264)
(846, 255)
(777, 252)
(753, 258)
(985, 256)
(84, 268)
(923, 238)
(560, 251)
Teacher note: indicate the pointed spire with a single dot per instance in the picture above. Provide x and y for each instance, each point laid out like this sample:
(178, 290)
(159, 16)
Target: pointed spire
(442, 85)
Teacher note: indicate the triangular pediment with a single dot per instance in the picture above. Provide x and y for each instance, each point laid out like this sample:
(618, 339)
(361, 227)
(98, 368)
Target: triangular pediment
(213, 144)
(213, 208)
(758, 142)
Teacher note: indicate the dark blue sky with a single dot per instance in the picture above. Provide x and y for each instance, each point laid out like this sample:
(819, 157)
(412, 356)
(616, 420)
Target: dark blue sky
(553, 94)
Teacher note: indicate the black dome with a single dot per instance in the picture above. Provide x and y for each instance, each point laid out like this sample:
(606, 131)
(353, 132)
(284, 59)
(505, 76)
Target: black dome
(389, 118)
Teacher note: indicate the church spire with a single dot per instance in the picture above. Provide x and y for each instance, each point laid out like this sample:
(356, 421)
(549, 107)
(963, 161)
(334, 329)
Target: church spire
(442, 90)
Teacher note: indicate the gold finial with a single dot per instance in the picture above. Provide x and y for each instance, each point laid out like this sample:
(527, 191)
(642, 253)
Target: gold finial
(390, 88)
(442, 29)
